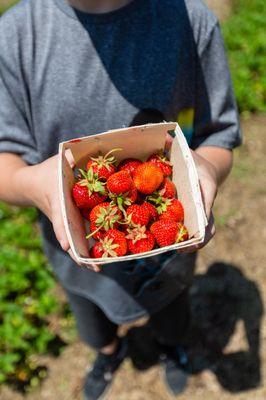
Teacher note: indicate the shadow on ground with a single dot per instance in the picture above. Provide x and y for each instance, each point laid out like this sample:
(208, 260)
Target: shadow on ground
(219, 299)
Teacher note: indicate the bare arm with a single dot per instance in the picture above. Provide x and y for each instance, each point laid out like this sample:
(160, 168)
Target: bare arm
(221, 159)
(213, 165)
(37, 186)
(24, 185)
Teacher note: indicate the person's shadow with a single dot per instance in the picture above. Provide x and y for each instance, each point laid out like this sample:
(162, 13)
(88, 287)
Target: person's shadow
(219, 299)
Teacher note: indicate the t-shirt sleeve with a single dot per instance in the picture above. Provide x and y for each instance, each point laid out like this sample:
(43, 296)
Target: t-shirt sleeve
(216, 121)
(15, 131)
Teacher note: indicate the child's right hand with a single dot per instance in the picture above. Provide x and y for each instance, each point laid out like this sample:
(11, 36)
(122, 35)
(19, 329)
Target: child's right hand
(43, 193)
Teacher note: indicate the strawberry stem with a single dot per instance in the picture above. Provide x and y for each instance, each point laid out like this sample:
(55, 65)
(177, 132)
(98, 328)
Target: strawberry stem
(112, 151)
(94, 232)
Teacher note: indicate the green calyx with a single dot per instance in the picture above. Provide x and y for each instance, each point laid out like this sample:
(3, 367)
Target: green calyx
(109, 248)
(105, 161)
(92, 182)
(136, 233)
(106, 220)
(160, 202)
(108, 216)
(121, 200)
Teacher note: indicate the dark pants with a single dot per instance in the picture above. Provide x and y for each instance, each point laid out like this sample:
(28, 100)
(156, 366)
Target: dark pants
(169, 325)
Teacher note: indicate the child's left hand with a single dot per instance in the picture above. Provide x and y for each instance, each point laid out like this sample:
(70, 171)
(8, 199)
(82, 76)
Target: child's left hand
(209, 186)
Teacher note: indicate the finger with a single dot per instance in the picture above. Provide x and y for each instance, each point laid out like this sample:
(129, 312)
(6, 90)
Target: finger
(59, 228)
(94, 267)
(210, 231)
(169, 141)
(70, 252)
(70, 158)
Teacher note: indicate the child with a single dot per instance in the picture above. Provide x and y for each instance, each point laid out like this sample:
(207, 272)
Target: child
(73, 68)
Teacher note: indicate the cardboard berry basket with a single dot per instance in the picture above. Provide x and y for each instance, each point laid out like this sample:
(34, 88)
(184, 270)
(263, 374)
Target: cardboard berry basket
(137, 142)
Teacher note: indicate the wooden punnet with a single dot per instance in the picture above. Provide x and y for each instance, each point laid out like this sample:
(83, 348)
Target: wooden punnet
(137, 142)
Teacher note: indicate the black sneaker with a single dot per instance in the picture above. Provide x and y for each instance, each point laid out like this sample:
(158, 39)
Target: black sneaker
(176, 369)
(100, 376)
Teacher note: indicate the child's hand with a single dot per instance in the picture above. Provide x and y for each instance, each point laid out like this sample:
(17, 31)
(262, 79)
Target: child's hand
(209, 186)
(44, 194)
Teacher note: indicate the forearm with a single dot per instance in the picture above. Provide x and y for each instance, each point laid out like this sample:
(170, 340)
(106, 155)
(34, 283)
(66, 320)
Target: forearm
(16, 180)
(221, 159)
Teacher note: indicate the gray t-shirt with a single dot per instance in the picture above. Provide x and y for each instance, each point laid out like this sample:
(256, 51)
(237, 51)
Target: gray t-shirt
(64, 74)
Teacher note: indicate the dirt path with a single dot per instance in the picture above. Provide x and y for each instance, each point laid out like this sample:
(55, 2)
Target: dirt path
(228, 344)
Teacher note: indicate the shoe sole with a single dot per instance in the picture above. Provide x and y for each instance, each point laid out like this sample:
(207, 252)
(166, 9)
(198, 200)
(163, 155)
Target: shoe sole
(162, 374)
(104, 395)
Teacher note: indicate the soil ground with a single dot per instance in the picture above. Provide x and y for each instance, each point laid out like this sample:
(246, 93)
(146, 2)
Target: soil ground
(228, 339)
(222, 8)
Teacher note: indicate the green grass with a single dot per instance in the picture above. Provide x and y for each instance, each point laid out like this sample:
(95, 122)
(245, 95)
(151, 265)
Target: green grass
(25, 298)
(245, 37)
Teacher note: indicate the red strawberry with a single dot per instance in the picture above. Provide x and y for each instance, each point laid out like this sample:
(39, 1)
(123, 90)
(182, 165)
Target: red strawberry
(147, 178)
(99, 234)
(130, 165)
(132, 195)
(114, 244)
(182, 235)
(125, 199)
(120, 182)
(140, 240)
(165, 232)
(167, 189)
(168, 232)
(161, 161)
(103, 166)
(105, 213)
(171, 208)
(97, 250)
(105, 216)
(151, 209)
(138, 215)
(88, 192)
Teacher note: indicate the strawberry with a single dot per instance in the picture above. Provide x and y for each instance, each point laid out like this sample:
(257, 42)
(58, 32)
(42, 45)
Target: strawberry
(140, 240)
(161, 161)
(95, 232)
(88, 192)
(168, 232)
(113, 244)
(105, 216)
(165, 232)
(120, 182)
(151, 209)
(171, 208)
(182, 235)
(103, 166)
(138, 215)
(167, 189)
(130, 165)
(147, 178)
(124, 199)
(97, 250)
